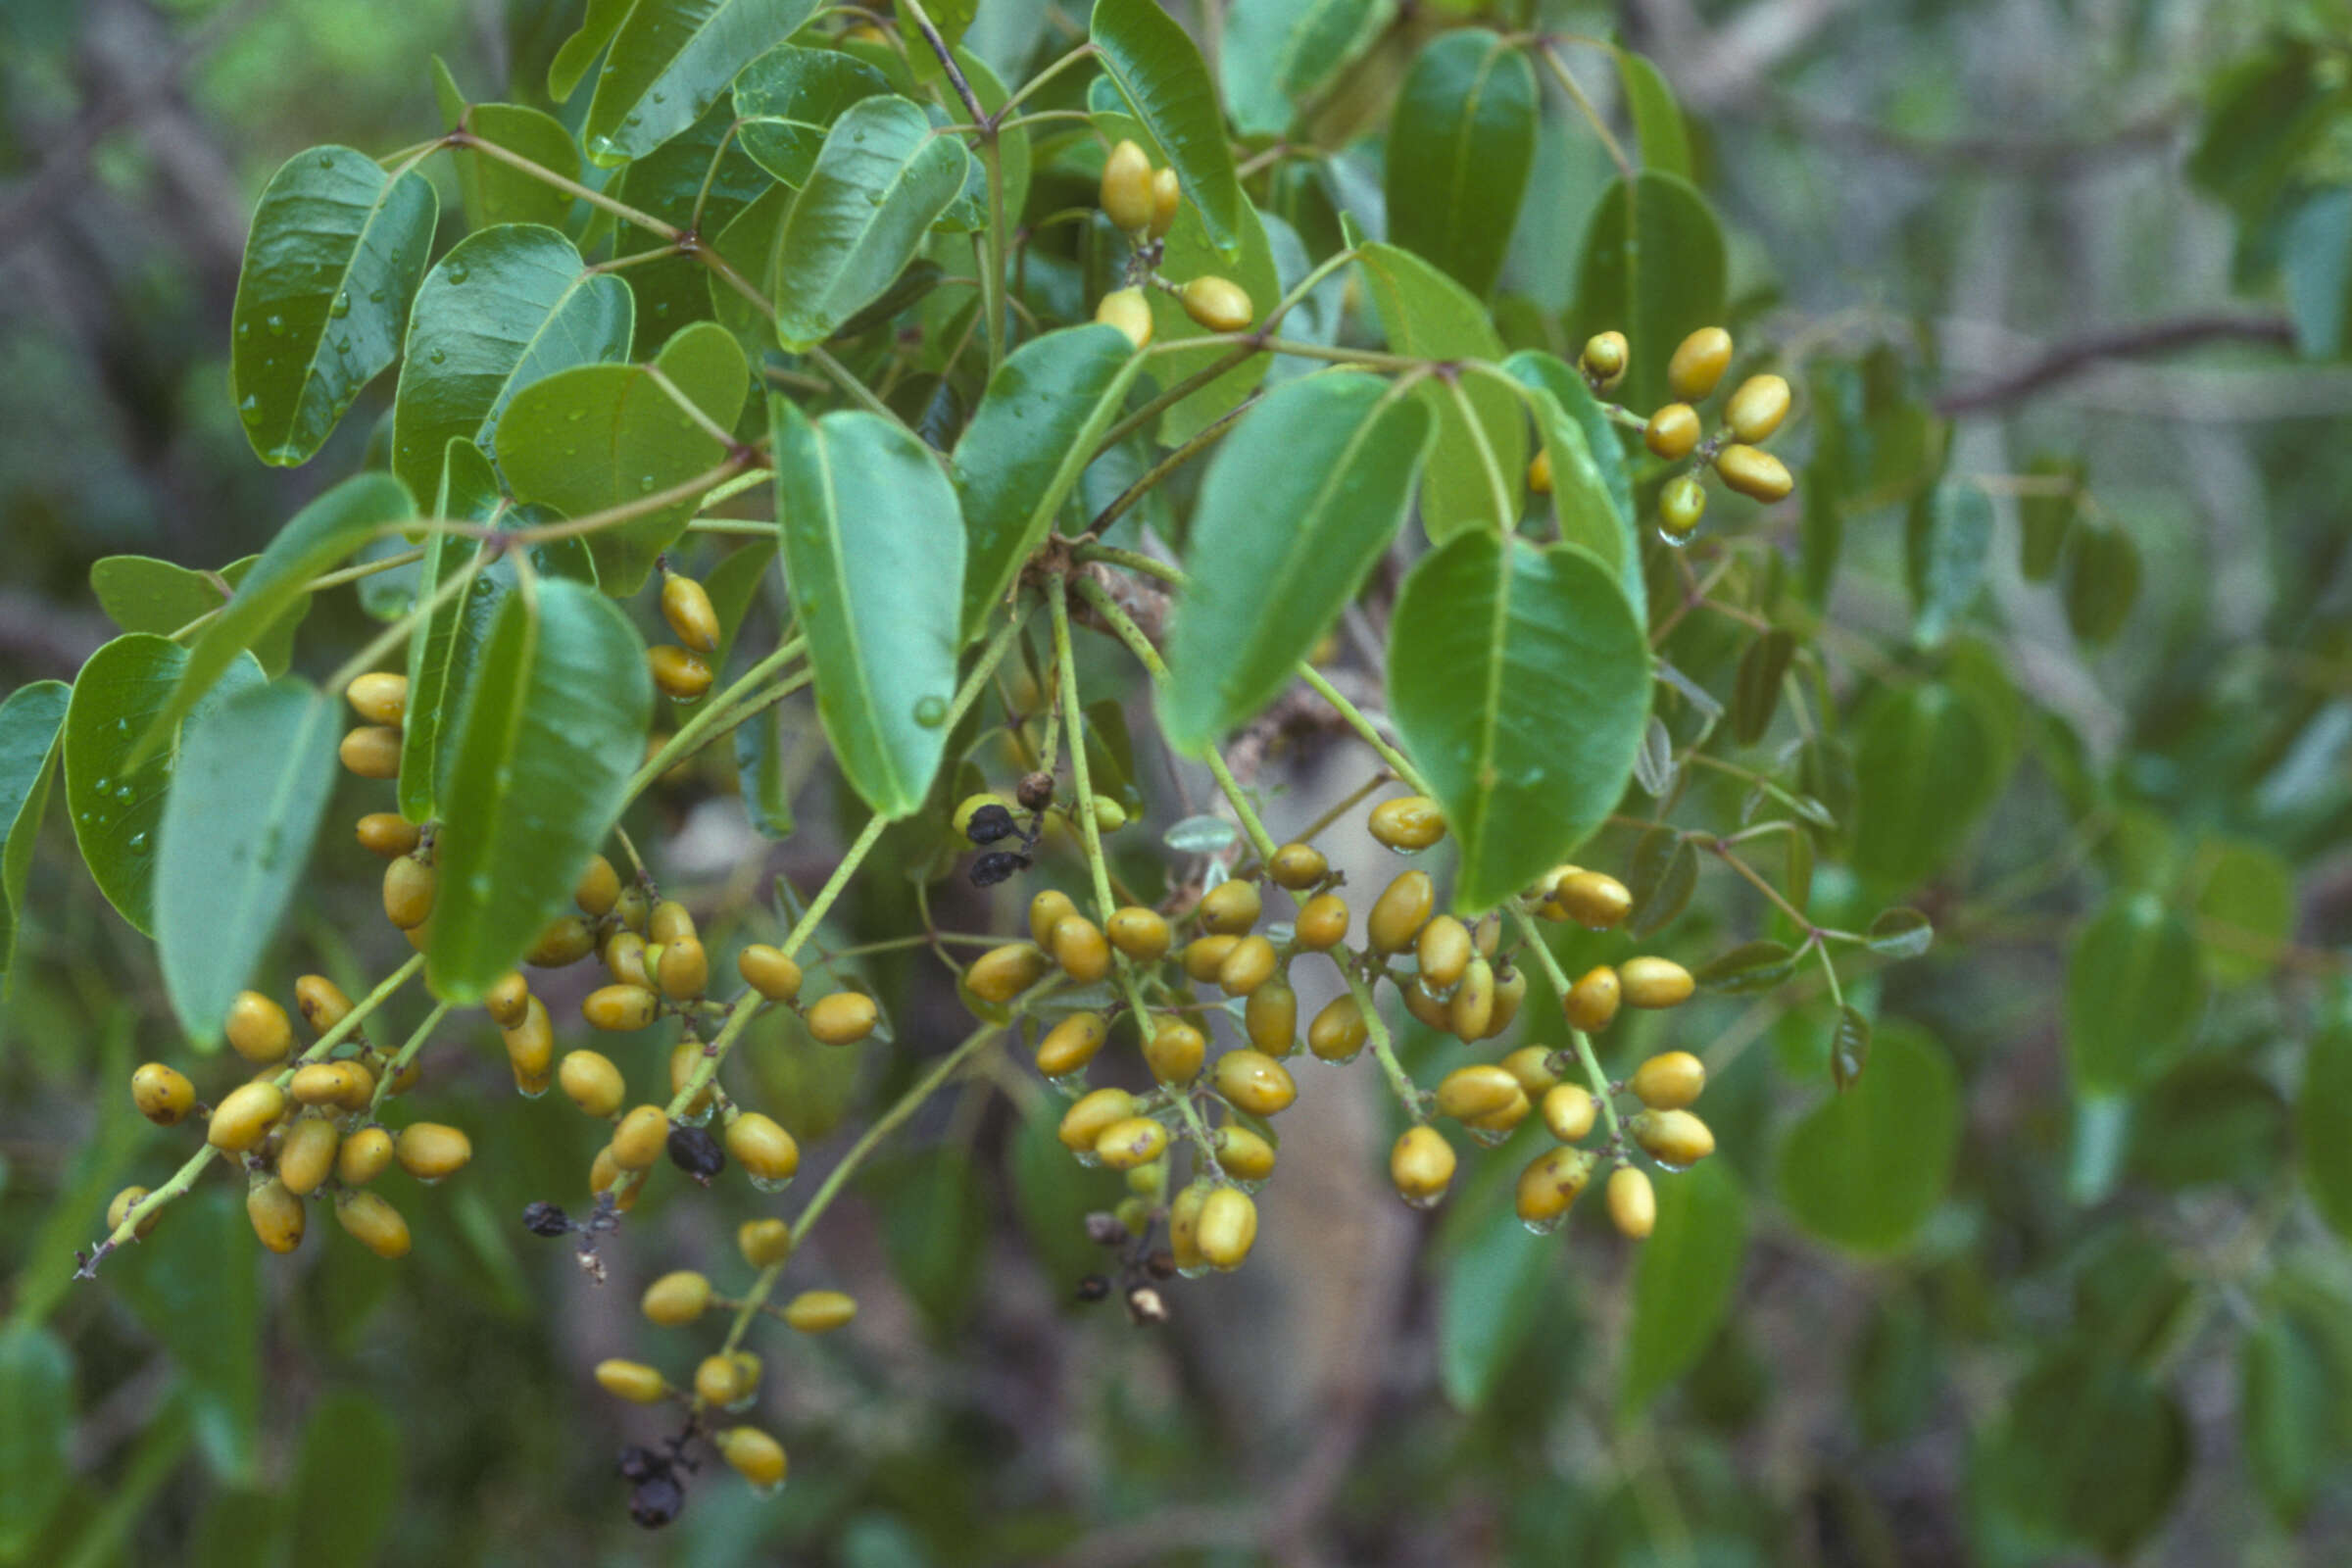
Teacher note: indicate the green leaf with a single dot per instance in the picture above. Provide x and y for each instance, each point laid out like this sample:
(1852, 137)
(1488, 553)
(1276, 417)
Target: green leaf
(1682, 1283)
(1187, 252)
(873, 553)
(596, 436)
(2323, 1125)
(2209, 1122)
(1151, 58)
(1427, 314)
(2245, 909)
(1849, 1046)
(1653, 267)
(2317, 265)
(937, 1222)
(195, 1286)
(1333, 457)
(253, 779)
(336, 249)
(1591, 492)
(492, 191)
(1948, 543)
(1490, 643)
(1661, 875)
(2287, 1395)
(1900, 933)
(318, 536)
(760, 763)
(701, 178)
(36, 1420)
(506, 307)
(969, 213)
(1657, 120)
(1865, 1168)
(116, 807)
(1877, 442)
(1490, 1298)
(140, 592)
(2134, 994)
(879, 182)
(670, 60)
(2045, 519)
(788, 98)
(31, 721)
(2102, 581)
(734, 586)
(1749, 967)
(540, 763)
(1756, 690)
(1461, 141)
(1277, 55)
(1929, 767)
(2092, 1451)
(1035, 431)
(346, 1484)
(579, 51)
(2263, 116)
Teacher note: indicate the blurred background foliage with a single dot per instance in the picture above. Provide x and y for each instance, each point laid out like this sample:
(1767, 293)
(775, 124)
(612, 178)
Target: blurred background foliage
(2062, 1279)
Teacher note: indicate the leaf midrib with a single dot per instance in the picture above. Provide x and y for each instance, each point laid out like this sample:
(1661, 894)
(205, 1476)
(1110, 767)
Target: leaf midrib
(359, 242)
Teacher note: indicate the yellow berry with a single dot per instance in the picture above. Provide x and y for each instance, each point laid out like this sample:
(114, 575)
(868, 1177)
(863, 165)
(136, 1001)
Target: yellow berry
(1421, 1165)
(363, 1156)
(1757, 408)
(566, 941)
(1470, 1015)
(1255, 1082)
(632, 1381)
(631, 909)
(307, 1157)
(842, 1018)
(277, 1215)
(598, 888)
(1248, 966)
(1539, 472)
(754, 1455)
(322, 1002)
(688, 609)
(820, 1312)
(1633, 1202)
(373, 1223)
(685, 971)
(1338, 1032)
(119, 1210)
(1593, 899)
(1681, 504)
(1184, 1224)
(1270, 1019)
(1399, 912)
(1532, 1066)
(1605, 357)
(1217, 304)
(1591, 1003)
(1675, 1139)
(1203, 956)
(670, 921)
(378, 697)
(719, 1381)
(1322, 922)
(1297, 866)
(1428, 1008)
(763, 1243)
(1699, 363)
(1139, 933)
(510, 1000)
(1131, 1142)
(388, 833)
(1754, 472)
(676, 1299)
(1551, 1183)
(531, 1047)
(162, 1093)
(1569, 1110)
(1167, 197)
(1672, 432)
(681, 675)
(639, 1138)
(1227, 1227)
(1070, 1044)
(605, 1174)
(1482, 1090)
(1127, 309)
(762, 1148)
(1243, 1155)
(619, 1008)
(1126, 192)
(1174, 1052)
(1090, 1115)
(1510, 990)
(1407, 823)
(1078, 947)
(1231, 908)
(767, 971)
(431, 1151)
(244, 1116)
(1002, 973)
(372, 751)
(1443, 949)
(1649, 982)
(686, 1059)
(1670, 1081)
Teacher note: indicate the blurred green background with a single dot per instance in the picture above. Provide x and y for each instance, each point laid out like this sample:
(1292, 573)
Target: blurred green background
(2099, 238)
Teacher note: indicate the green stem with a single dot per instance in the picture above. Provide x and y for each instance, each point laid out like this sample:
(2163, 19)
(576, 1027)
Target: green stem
(1209, 437)
(1082, 52)
(1112, 555)
(839, 376)
(468, 140)
(1828, 970)
(1594, 1078)
(332, 579)
(1584, 105)
(1363, 726)
(1174, 395)
(406, 1054)
(992, 265)
(1065, 668)
(947, 57)
(1383, 1050)
(689, 735)
(395, 634)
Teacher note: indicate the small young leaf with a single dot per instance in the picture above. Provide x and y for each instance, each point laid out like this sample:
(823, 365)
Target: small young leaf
(1756, 692)
(760, 762)
(336, 247)
(1849, 1046)
(1929, 766)
(140, 592)
(1461, 142)
(2102, 581)
(2044, 521)
(1661, 875)
(1653, 764)
(1749, 967)
(1591, 493)
(1334, 456)
(1201, 834)
(1900, 933)
(540, 760)
(1947, 543)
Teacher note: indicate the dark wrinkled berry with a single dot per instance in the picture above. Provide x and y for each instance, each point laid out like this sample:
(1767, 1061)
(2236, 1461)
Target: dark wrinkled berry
(1036, 791)
(641, 1464)
(990, 823)
(1162, 1265)
(696, 1152)
(657, 1501)
(1093, 1288)
(996, 866)
(544, 1219)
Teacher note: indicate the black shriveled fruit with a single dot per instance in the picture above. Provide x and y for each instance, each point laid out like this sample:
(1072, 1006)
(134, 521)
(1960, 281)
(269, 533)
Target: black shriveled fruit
(990, 823)
(657, 1501)
(696, 1152)
(996, 865)
(544, 1219)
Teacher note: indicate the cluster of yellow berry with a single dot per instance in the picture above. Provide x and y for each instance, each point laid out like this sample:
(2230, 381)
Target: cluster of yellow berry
(1750, 414)
(1142, 202)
